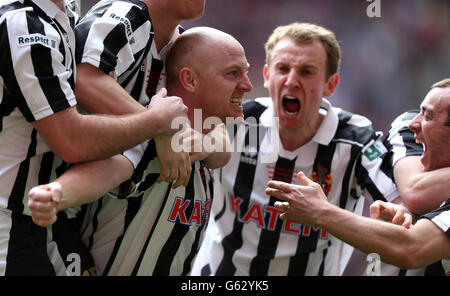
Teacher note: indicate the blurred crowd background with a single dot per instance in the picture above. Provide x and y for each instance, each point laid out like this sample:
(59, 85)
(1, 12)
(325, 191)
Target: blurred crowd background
(388, 64)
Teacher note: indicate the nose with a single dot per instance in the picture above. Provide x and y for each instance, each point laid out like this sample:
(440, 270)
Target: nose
(291, 79)
(245, 85)
(414, 125)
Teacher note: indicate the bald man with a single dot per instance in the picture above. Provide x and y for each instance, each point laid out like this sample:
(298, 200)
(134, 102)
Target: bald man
(151, 228)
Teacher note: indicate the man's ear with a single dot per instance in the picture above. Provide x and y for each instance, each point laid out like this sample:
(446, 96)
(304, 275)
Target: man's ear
(188, 79)
(331, 85)
(266, 74)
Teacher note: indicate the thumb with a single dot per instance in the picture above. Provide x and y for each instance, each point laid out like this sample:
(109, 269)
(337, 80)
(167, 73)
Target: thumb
(162, 93)
(56, 190)
(303, 179)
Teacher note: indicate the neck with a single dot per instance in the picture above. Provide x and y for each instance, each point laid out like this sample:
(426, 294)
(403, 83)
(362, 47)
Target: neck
(292, 139)
(60, 4)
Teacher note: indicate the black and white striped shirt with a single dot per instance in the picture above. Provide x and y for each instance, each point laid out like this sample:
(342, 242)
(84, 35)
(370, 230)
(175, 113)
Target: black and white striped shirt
(400, 142)
(156, 230)
(116, 36)
(245, 235)
(441, 217)
(37, 78)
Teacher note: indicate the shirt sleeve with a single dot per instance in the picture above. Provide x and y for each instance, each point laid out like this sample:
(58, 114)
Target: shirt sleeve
(40, 76)
(111, 36)
(400, 140)
(441, 217)
(374, 173)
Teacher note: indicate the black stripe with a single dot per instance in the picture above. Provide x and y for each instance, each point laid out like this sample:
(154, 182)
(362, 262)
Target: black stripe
(206, 270)
(45, 171)
(42, 63)
(153, 77)
(268, 241)
(94, 222)
(324, 256)
(242, 188)
(354, 152)
(9, 101)
(308, 244)
(194, 248)
(147, 157)
(15, 200)
(141, 256)
(134, 204)
(409, 140)
(27, 248)
(173, 243)
(366, 183)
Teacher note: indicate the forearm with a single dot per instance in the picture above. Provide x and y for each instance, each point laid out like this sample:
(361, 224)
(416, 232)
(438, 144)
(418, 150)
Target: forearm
(87, 182)
(105, 96)
(391, 242)
(92, 137)
(217, 159)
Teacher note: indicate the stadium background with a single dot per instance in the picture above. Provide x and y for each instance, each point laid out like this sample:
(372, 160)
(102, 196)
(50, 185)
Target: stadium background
(388, 62)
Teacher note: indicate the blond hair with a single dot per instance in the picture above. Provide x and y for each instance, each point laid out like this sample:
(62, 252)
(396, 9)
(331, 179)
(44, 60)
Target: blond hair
(304, 33)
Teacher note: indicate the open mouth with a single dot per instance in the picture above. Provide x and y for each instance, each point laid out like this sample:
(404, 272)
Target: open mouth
(237, 101)
(291, 105)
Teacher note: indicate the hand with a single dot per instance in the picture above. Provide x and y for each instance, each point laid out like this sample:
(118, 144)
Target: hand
(177, 163)
(301, 201)
(168, 108)
(389, 212)
(43, 201)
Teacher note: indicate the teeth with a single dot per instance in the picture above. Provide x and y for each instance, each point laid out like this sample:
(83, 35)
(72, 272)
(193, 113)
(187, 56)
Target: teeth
(237, 101)
(290, 98)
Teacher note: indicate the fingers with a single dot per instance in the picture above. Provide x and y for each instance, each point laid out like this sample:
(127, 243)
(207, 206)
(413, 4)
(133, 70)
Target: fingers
(284, 206)
(277, 193)
(375, 209)
(42, 203)
(279, 186)
(303, 179)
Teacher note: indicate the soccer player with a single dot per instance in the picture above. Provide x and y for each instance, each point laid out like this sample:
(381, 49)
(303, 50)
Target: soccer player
(39, 121)
(121, 51)
(335, 148)
(409, 247)
(155, 230)
(421, 191)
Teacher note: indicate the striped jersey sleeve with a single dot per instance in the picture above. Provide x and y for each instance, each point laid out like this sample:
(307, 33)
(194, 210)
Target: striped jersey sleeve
(441, 217)
(37, 78)
(113, 36)
(32, 80)
(400, 140)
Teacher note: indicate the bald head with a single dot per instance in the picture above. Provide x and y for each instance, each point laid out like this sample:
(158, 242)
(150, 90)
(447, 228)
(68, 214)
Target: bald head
(194, 48)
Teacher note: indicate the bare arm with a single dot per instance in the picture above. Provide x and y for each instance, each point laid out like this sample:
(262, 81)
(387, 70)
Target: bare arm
(418, 246)
(98, 92)
(83, 183)
(77, 138)
(106, 96)
(421, 191)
